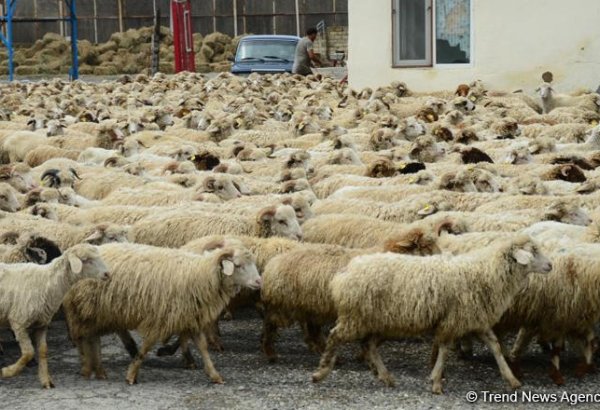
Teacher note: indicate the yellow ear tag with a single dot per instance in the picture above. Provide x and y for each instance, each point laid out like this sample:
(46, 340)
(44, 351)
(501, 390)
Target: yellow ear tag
(427, 208)
(430, 117)
(594, 123)
(44, 182)
(473, 98)
(193, 158)
(412, 180)
(402, 165)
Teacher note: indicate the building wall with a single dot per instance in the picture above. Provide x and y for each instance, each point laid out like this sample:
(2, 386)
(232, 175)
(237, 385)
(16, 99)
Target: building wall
(515, 41)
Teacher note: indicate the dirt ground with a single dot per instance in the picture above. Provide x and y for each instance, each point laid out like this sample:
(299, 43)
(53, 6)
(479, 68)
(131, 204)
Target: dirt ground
(252, 383)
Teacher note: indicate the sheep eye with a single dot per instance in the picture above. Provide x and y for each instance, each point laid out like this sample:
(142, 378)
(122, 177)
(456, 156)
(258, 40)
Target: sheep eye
(219, 187)
(283, 222)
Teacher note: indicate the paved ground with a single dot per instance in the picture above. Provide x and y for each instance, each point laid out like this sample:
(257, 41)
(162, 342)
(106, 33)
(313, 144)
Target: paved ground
(251, 383)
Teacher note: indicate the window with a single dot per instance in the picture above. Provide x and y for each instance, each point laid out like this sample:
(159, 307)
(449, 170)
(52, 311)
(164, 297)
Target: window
(431, 32)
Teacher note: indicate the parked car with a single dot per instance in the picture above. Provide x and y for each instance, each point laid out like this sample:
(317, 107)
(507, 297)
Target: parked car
(265, 54)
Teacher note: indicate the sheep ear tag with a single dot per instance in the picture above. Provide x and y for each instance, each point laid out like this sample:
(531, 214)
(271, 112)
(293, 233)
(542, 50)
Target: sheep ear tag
(228, 267)
(522, 257)
(75, 263)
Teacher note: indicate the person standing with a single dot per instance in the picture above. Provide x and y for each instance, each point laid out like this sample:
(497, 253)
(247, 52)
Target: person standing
(305, 53)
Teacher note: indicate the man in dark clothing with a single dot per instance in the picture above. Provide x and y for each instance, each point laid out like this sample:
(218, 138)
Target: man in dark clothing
(305, 54)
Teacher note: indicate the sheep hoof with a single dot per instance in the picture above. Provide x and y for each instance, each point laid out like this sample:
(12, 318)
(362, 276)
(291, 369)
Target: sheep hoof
(48, 384)
(131, 381)
(273, 358)
(217, 379)
(388, 380)
(557, 376)
(515, 384)
(437, 388)
(582, 369)
(319, 375)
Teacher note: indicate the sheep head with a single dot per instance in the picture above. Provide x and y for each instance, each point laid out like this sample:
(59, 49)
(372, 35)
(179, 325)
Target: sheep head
(279, 221)
(84, 260)
(561, 212)
(238, 266)
(222, 186)
(107, 233)
(8, 198)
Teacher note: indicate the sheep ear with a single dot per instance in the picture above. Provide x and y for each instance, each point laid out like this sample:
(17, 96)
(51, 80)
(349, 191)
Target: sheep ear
(227, 267)
(96, 235)
(267, 214)
(427, 210)
(522, 257)
(209, 184)
(75, 263)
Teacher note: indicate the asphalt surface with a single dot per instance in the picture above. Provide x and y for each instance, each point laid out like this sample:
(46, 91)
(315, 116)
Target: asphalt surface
(252, 383)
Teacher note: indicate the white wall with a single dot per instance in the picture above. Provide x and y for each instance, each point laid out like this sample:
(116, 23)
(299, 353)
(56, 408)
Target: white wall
(515, 41)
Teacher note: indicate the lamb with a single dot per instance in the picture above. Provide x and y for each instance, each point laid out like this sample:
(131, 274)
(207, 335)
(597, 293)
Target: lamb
(136, 298)
(177, 230)
(401, 284)
(31, 294)
(296, 284)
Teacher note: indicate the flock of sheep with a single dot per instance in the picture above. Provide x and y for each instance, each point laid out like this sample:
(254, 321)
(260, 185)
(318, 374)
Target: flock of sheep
(161, 205)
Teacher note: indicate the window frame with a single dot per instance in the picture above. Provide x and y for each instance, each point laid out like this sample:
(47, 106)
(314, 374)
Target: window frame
(396, 63)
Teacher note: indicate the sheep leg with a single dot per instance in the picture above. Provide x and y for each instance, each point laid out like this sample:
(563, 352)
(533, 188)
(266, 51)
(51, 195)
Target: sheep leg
(188, 359)
(587, 349)
(96, 351)
(327, 362)
(375, 360)
(521, 343)
(134, 367)
(168, 350)
(268, 336)
(213, 335)
(86, 355)
(209, 367)
(313, 337)
(27, 352)
(42, 348)
(128, 343)
(438, 369)
(490, 339)
(435, 351)
(555, 373)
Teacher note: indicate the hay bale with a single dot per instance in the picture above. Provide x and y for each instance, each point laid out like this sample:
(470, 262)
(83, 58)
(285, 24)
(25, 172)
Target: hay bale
(105, 69)
(106, 57)
(87, 53)
(52, 38)
(27, 70)
(106, 47)
(85, 69)
(207, 52)
(166, 68)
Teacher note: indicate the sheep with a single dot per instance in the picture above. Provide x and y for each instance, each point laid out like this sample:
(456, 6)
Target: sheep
(65, 235)
(8, 198)
(30, 248)
(177, 230)
(296, 284)
(555, 235)
(18, 176)
(401, 283)
(19, 143)
(215, 188)
(550, 101)
(142, 276)
(557, 306)
(31, 294)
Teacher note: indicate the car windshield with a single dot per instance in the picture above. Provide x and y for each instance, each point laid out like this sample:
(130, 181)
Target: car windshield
(264, 50)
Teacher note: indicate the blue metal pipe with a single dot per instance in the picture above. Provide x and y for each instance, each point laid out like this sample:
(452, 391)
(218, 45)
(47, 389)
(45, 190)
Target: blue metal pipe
(74, 74)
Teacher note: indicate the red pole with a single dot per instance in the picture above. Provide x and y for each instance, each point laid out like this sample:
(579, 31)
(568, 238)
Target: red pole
(183, 40)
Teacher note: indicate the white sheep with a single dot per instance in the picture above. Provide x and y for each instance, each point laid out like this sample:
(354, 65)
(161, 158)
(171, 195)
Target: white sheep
(411, 296)
(31, 294)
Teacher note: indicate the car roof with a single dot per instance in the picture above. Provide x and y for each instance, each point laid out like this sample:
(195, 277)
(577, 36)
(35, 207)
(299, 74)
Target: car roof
(270, 37)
